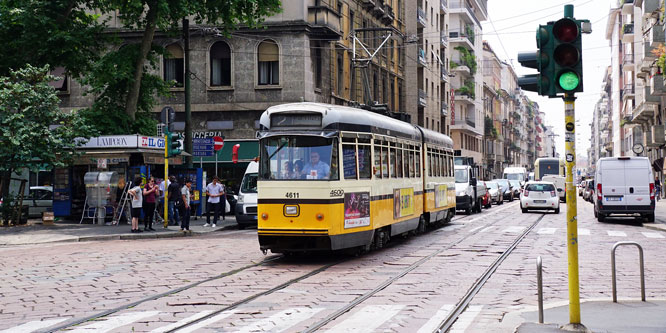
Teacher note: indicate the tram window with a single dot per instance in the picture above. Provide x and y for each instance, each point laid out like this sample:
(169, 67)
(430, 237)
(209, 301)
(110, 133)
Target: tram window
(364, 161)
(349, 161)
(392, 162)
(377, 169)
(411, 163)
(385, 162)
(294, 157)
(398, 163)
(418, 164)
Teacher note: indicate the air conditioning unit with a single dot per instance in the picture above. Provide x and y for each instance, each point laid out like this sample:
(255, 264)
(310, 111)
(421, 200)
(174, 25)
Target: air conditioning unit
(658, 135)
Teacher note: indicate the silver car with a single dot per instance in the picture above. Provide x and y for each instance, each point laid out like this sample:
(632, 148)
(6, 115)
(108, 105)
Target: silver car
(495, 193)
(39, 200)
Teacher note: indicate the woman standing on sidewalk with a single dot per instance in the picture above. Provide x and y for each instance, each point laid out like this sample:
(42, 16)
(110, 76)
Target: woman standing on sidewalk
(137, 202)
(149, 193)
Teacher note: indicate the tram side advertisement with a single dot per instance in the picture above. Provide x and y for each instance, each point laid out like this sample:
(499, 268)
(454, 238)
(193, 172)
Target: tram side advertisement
(357, 209)
(403, 202)
(441, 192)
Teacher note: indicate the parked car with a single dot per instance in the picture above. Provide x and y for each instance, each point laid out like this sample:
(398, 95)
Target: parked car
(38, 200)
(507, 191)
(588, 192)
(624, 185)
(539, 195)
(487, 200)
(559, 183)
(495, 192)
(582, 186)
(516, 186)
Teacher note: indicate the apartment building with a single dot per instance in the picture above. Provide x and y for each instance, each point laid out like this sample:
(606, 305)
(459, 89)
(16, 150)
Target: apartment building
(467, 83)
(427, 63)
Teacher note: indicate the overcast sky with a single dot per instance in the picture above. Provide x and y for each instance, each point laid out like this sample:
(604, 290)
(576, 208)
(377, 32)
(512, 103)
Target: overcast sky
(511, 28)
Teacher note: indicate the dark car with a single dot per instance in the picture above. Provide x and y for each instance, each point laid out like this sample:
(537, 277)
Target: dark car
(506, 189)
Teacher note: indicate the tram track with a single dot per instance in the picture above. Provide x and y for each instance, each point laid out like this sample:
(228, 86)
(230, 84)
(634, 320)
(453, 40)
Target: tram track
(459, 308)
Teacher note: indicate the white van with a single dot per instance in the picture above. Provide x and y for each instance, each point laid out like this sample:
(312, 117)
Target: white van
(469, 193)
(625, 186)
(559, 183)
(246, 207)
(515, 173)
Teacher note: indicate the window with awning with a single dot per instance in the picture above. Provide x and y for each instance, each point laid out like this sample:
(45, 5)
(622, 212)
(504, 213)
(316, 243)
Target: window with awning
(268, 63)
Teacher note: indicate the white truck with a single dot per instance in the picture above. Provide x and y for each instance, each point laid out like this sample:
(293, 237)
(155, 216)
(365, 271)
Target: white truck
(469, 194)
(246, 206)
(560, 185)
(515, 173)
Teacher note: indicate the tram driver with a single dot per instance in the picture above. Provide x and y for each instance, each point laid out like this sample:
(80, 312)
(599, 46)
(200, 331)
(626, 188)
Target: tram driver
(316, 169)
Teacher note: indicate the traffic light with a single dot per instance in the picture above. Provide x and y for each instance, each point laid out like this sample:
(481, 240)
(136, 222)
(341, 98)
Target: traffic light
(541, 61)
(173, 144)
(568, 56)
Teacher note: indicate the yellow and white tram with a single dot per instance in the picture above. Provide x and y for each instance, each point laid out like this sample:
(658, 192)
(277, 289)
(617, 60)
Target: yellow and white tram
(334, 177)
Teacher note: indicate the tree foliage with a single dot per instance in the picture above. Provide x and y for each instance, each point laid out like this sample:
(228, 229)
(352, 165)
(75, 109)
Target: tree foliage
(33, 130)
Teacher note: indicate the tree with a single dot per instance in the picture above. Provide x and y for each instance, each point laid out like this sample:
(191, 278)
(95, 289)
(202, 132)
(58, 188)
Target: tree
(33, 130)
(165, 15)
(55, 32)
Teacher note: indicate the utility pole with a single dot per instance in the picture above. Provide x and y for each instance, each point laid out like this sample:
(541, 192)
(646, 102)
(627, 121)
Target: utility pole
(188, 111)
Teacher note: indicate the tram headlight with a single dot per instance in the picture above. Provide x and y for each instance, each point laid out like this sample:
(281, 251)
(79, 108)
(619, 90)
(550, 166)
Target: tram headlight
(291, 210)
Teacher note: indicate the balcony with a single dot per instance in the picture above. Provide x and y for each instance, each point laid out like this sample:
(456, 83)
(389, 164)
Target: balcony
(388, 16)
(325, 22)
(651, 8)
(627, 7)
(368, 3)
(421, 19)
(657, 87)
(628, 63)
(628, 33)
(466, 124)
(461, 69)
(445, 75)
(463, 98)
(655, 40)
(378, 10)
(445, 109)
(423, 97)
(423, 61)
(462, 38)
(463, 7)
(644, 112)
(657, 134)
(627, 92)
(444, 40)
(443, 6)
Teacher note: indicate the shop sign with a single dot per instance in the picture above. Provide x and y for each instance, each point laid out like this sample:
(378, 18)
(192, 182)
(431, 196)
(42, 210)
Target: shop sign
(206, 134)
(96, 160)
(151, 142)
(112, 141)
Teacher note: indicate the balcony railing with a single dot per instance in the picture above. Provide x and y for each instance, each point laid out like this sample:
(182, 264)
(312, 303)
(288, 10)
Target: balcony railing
(470, 122)
(422, 58)
(445, 109)
(463, 4)
(443, 5)
(445, 74)
(444, 39)
(423, 97)
(325, 19)
(421, 17)
(628, 58)
(627, 91)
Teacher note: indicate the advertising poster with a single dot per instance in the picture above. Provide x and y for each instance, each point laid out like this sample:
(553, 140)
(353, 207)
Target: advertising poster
(403, 202)
(357, 209)
(440, 195)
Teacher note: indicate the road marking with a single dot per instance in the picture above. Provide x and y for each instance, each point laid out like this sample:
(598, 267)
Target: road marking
(652, 235)
(486, 229)
(616, 233)
(583, 231)
(546, 231)
(115, 322)
(465, 319)
(281, 321)
(33, 325)
(514, 230)
(367, 319)
(182, 322)
(435, 320)
(207, 322)
(475, 229)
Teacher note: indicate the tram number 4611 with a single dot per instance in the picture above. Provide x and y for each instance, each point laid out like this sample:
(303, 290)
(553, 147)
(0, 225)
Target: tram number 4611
(292, 195)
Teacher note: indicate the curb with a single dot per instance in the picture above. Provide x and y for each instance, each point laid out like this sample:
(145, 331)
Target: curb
(655, 226)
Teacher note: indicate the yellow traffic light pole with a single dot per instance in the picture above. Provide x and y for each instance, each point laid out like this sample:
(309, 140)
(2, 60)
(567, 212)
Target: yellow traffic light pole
(572, 212)
(166, 177)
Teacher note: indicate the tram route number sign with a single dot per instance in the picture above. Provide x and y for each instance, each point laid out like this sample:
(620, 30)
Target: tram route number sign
(202, 147)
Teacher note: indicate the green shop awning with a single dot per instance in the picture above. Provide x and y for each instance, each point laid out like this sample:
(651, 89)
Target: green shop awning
(248, 150)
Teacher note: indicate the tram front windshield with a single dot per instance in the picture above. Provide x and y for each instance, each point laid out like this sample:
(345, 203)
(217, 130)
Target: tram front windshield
(298, 158)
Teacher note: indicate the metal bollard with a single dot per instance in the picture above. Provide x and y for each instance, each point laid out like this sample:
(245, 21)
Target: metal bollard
(540, 289)
(640, 254)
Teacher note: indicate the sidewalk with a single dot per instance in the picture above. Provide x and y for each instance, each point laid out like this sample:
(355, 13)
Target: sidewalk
(659, 217)
(34, 232)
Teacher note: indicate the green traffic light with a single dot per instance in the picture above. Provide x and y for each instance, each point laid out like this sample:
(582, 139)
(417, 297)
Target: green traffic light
(569, 80)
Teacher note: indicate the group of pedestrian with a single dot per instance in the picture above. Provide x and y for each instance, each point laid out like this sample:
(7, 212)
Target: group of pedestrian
(179, 198)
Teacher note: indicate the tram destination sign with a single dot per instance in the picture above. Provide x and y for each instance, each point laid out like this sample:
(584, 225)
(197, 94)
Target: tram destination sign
(296, 120)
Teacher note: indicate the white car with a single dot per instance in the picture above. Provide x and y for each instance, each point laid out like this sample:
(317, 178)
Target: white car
(539, 195)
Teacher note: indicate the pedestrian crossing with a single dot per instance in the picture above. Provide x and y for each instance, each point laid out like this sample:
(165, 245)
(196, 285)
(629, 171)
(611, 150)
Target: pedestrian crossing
(368, 318)
(552, 231)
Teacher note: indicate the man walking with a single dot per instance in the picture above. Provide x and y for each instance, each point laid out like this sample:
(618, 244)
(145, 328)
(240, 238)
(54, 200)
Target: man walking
(174, 197)
(214, 191)
(186, 195)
